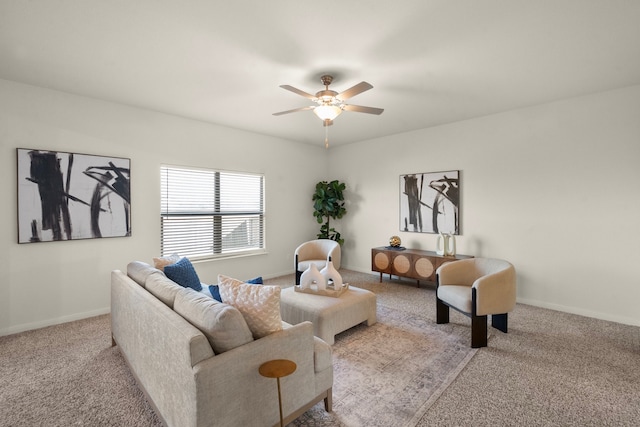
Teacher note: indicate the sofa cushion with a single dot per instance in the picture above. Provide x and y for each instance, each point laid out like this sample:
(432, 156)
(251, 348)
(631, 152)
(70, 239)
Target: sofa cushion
(139, 271)
(223, 325)
(260, 305)
(183, 273)
(161, 262)
(162, 288)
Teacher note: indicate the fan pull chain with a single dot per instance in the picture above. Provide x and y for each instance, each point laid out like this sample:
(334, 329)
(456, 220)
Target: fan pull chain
(326, 137)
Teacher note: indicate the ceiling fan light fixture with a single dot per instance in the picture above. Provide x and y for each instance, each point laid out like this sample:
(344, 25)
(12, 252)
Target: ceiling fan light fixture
(327, 112)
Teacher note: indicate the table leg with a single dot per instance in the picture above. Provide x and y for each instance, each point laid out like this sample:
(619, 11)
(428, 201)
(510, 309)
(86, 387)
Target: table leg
(280, 403)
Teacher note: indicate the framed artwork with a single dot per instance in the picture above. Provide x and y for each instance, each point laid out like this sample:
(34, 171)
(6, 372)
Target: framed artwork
(430, 202)
(69, 196)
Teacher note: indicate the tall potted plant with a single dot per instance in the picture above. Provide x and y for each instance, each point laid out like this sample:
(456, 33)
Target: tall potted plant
(328, 203)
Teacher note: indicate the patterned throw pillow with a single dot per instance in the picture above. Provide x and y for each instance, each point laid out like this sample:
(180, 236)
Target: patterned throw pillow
(183, 273)
(260, 305)
(215, 290)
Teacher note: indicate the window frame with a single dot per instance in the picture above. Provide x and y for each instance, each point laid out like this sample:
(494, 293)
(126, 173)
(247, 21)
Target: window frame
(254, 222)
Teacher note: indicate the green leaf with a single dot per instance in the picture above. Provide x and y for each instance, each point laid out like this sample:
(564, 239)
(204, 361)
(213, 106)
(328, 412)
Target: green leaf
(328, 203)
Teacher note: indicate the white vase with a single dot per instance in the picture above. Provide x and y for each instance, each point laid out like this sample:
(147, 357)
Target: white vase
(451, 245)
(312, 275)
(329, 272)
(446, 244)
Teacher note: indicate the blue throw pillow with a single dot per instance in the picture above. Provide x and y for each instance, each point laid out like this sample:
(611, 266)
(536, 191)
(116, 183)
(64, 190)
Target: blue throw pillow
(215, 292)
(183, 273)
(255, 281)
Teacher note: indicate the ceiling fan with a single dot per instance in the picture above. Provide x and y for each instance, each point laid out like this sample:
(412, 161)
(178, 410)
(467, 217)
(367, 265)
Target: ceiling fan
(331, 103)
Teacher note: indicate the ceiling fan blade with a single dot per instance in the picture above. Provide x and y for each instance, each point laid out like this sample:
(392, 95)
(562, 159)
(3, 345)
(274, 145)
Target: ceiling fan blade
(298, 91)
(353, 91)
(361, 109)
(294, 110)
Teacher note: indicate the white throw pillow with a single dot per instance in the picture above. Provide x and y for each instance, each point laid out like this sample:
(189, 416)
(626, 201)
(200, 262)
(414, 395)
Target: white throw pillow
(259, 304)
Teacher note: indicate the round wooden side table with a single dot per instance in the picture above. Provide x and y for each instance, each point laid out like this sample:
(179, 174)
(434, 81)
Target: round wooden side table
(277, 369)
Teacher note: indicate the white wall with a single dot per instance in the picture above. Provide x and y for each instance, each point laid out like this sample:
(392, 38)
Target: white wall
(555, 189)
(48, 283)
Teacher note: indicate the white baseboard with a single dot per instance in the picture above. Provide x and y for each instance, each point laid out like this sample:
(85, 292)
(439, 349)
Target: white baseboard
(50, 322)
(581, 312)
(556, 307)
(567, 309)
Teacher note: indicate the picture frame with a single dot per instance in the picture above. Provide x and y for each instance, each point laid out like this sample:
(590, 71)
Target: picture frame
(430, 202)
(71, 196)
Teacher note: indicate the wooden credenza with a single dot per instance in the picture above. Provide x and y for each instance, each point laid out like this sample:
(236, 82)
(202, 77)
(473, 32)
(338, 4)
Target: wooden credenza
(410, 263)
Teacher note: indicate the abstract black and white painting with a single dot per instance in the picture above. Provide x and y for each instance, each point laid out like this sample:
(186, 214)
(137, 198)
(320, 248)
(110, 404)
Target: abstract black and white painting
(68, 196)
(430, 202)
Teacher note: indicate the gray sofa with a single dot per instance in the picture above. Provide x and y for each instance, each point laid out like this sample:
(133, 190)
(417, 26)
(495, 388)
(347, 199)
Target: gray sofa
(187, 383)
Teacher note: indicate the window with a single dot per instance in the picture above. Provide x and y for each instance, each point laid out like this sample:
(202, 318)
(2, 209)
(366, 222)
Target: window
(209, 213)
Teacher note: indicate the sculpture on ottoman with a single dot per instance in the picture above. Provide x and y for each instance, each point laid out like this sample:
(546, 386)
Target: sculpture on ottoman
(312, 275)
(318, 252)
(329, 272)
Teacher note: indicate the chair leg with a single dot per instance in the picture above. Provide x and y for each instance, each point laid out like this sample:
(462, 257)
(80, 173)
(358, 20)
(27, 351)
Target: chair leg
(442, 312)
(499, 321)
(478, 331)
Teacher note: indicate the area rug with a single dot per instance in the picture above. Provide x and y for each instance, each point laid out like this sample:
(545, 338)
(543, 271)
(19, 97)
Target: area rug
(389, 374)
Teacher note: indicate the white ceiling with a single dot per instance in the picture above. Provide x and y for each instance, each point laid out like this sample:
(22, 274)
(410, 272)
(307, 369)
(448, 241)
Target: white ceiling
(430, 61)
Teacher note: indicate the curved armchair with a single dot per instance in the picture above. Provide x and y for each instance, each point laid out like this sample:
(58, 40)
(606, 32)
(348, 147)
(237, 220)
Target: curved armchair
(318, 252)
(477, 287)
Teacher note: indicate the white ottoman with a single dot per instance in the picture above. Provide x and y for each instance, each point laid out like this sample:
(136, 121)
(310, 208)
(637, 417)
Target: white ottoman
(329, 315)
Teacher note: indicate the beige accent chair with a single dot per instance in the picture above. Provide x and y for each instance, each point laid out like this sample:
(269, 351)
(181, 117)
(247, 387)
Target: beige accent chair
(317, 252)
(477, 287)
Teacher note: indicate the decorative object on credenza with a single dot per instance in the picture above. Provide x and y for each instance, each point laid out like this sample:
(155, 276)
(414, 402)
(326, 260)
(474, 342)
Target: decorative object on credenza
(430, 202)
(331, 275)
(312, 276)
(68, 196)
(394, 243)
(446, 244)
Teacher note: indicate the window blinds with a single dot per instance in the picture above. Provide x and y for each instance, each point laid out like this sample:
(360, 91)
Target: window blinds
(208, 213)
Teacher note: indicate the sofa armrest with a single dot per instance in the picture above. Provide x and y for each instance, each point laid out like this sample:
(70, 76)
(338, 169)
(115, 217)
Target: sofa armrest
(322, 355)
(227, 380)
